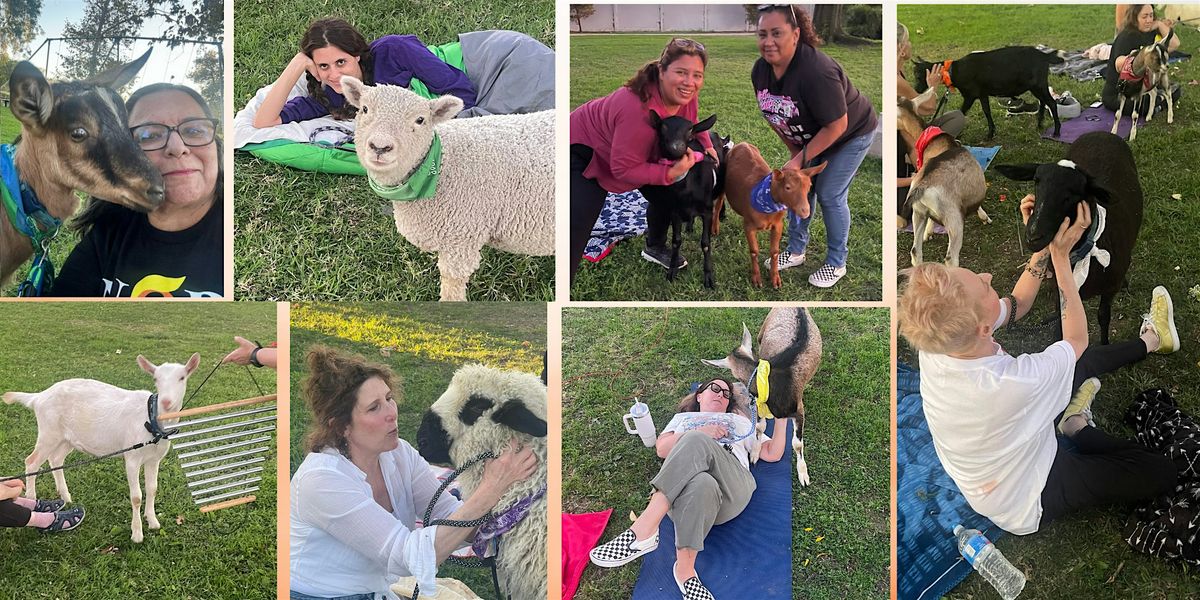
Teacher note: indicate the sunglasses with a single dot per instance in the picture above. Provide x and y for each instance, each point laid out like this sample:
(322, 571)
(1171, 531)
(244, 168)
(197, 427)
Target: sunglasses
(716, 387)
(686, 43)
(780, 7)
(199, 131)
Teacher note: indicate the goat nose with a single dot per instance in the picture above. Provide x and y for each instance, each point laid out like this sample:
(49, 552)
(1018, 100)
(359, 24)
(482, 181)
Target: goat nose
(155, 194)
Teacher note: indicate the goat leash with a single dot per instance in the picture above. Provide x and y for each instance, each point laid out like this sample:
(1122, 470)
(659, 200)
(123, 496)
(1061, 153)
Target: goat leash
(30, 217)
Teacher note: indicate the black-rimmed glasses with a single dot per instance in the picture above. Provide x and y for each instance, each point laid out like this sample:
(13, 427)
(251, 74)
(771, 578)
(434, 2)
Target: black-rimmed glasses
(716, 387)
(790, 7)
(199, 131)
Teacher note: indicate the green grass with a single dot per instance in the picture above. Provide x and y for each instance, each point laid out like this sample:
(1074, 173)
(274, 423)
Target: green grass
(423, 379)
(314, 236)
(612, 355)
(226, 554)
(1082, 555)
(602, 63)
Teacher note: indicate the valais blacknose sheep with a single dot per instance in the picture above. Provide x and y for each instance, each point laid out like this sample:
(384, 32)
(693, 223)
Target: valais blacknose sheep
(482, 409)
(495, 185)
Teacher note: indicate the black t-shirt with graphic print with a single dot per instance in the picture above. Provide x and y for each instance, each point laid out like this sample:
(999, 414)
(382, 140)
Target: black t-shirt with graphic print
(813, 92)
(125, 256)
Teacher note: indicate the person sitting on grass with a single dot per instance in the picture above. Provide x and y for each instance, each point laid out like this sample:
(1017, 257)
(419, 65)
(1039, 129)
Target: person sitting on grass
(46, 515)
(991, 415)
(1138, 29)
(704, 481)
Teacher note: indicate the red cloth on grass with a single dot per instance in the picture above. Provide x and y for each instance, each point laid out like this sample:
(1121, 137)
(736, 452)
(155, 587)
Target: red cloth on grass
(579, 535)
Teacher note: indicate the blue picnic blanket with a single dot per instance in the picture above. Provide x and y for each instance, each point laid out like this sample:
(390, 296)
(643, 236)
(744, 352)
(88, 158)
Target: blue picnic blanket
(983, 155)
(748, 557)
(928, 504)
(623, 217)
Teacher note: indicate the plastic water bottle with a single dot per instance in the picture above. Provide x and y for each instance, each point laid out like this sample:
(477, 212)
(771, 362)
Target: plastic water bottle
(989, 562)
(639, 422)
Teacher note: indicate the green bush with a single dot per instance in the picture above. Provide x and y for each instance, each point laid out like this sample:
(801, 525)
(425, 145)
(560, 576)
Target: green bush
(865, 21)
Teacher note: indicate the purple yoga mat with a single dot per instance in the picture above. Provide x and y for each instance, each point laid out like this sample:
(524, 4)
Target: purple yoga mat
(1091, 119)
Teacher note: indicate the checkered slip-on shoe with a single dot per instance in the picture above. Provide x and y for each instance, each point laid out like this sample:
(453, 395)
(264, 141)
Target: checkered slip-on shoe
(787, 260)
(49, 505)
(1161, 319)
(692, 589)
(826, 276)
(622, 549)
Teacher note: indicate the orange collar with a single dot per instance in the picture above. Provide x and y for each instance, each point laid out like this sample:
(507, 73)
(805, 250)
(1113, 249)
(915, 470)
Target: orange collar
(946, 75)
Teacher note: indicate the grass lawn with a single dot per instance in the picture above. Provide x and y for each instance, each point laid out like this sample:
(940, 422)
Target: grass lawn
(225, 554)
(602, 63)
(1082, 555)
(314, 236)
(424, 344)
(839, 523)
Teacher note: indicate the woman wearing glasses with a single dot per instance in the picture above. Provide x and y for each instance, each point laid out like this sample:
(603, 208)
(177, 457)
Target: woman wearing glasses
(704, 481)
(821, 117)
(614, 147)
(177, 249)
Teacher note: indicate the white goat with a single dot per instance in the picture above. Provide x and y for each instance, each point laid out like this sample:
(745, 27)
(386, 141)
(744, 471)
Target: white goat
(495, 186)
(97, 418)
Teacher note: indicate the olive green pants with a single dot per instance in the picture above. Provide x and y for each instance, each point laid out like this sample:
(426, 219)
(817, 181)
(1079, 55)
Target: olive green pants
(705, 484)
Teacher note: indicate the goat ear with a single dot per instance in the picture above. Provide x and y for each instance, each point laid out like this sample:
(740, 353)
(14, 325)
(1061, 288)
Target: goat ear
(746, 339)
(655, 120)
(353, 90)
(1097, 191)
(814, 170)
(704, 125)
(146, 365)
(32, 98)
(1021, 172)
(444, 108)
(515, 416)
(192, 363)
(720, 363)
(116, 77)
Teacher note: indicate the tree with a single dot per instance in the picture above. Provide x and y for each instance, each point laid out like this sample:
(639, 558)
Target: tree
(579, 12)
(104, 22)
(829, 20)
(203, 20)
(18, 24)
(208, 74)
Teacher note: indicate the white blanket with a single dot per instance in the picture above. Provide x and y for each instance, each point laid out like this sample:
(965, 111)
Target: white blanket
(244, 131)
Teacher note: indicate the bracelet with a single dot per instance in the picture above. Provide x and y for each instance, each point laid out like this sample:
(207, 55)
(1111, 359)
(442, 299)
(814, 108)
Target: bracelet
(1012, 311)
(254, 355)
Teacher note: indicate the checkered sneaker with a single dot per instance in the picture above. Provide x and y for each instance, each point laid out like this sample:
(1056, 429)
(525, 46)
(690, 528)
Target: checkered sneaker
(622, 549)
(694, 590)
(826, 276)
(786, 260)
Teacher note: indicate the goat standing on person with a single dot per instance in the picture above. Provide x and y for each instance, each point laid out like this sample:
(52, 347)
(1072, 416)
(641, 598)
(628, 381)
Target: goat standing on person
(790, 345)
(684, 200)
(1009, 71)
(948, 184)
(74, 136)
(1099, 169)
(97, 418)
(494, 182)
(1145, 72)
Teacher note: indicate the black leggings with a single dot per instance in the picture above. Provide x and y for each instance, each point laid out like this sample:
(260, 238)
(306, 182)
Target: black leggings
(587, 200)
(1105, 469)
(13, 514)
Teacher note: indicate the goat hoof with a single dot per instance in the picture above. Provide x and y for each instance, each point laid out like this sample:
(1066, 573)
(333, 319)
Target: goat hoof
(152, 523)
(776, 282)
(136, 537)
(802, 473)
(756, 282)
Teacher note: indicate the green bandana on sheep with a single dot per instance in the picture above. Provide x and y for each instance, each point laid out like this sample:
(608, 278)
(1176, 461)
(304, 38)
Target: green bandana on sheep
(422, 184)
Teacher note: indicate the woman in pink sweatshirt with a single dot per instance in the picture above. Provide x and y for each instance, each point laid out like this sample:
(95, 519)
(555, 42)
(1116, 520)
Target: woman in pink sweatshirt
(614, 147)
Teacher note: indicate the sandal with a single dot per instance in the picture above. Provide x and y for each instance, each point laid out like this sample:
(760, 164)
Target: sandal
(64, 520)
(49, 505)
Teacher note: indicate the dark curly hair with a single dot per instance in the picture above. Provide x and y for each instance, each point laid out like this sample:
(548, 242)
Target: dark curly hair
(798, 18)
(331, 392)
(649, 74)
(339, 33)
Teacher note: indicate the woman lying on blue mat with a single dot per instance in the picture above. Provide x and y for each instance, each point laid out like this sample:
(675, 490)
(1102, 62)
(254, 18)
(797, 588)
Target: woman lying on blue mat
(992, 415)
(704, 481)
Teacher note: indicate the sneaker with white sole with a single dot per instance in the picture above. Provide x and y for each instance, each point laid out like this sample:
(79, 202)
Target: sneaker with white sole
(622, 549)
(692, 589)
(826, 276)
(1081, 403)
(787, 260)
(1161, 319)
(661, 256)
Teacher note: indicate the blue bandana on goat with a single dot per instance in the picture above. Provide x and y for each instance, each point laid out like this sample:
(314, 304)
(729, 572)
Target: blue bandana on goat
(761, 199)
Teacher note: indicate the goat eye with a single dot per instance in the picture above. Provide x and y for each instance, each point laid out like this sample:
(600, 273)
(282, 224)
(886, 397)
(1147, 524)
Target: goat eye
(364, 109)
(78, 134)
(420, 120)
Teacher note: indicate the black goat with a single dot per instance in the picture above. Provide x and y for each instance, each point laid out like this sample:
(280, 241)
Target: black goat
(1099, 169)
(722, 145)
(1009, 71)
(681, 202)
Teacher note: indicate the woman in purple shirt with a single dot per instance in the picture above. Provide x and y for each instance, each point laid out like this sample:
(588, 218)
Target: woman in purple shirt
(332, 48)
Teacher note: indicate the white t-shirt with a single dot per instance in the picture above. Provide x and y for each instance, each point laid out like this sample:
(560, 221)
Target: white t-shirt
(735, 424)
(992, 422)
(343, 542)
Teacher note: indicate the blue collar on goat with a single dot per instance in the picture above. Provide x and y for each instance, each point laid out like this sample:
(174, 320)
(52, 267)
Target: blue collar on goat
(30, 217)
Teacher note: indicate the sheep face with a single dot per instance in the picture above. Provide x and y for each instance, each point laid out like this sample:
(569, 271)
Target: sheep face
(394, 127)
(1058, 189)
(170, 380)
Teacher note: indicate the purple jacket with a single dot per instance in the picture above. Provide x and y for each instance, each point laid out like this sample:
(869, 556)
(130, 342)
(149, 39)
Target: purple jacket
(398, 59)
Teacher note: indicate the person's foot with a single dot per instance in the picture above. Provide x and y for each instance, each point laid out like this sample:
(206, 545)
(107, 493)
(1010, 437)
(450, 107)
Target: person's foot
(49, 505)
(1081, 406)
(1161, 320)
(622, 549)
(691, 588)
(787, 260)
(1026, 108)
(64, 520)
(661, 255)
(1012, 102)
(826, 276)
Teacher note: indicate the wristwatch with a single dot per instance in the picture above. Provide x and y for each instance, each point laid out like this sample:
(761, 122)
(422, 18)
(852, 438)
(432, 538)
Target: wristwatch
(254, 355)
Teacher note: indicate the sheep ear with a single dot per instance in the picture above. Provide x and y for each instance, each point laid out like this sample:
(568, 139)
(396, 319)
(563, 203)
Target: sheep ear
(32, 98)
(116, 77)
(515, 416)
(1021, 172)
(704, 125)
(146, 365)
(353, 90)
(445, 108)
(192, 363)
(475, 407)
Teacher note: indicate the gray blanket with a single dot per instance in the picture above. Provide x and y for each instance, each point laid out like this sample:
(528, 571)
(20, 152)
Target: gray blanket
(512, 73)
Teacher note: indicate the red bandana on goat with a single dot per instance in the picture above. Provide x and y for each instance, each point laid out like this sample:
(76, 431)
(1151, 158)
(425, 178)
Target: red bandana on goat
(1128, 75)
(923, 141)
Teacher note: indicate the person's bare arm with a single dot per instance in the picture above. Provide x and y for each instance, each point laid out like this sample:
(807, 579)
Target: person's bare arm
(272, 105)
(773, 449)
(829, 133)
(1027, 287)
(1074, 322)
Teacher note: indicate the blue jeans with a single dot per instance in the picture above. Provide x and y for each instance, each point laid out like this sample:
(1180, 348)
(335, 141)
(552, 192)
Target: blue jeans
(294, 595)
(832, 190)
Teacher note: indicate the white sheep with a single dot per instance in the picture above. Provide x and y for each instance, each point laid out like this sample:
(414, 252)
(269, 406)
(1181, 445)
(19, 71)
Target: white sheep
(97, 418)
(481, 410)
(495, 182)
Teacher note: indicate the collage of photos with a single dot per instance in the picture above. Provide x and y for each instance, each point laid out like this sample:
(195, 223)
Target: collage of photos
(404, 299)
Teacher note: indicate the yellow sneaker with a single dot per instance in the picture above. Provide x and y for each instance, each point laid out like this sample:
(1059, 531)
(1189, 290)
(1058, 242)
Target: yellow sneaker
(1161, 319)
(1081, 403)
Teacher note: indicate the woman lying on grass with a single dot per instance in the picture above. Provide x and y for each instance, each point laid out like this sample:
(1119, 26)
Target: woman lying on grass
(704, 480)
(992, 415)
